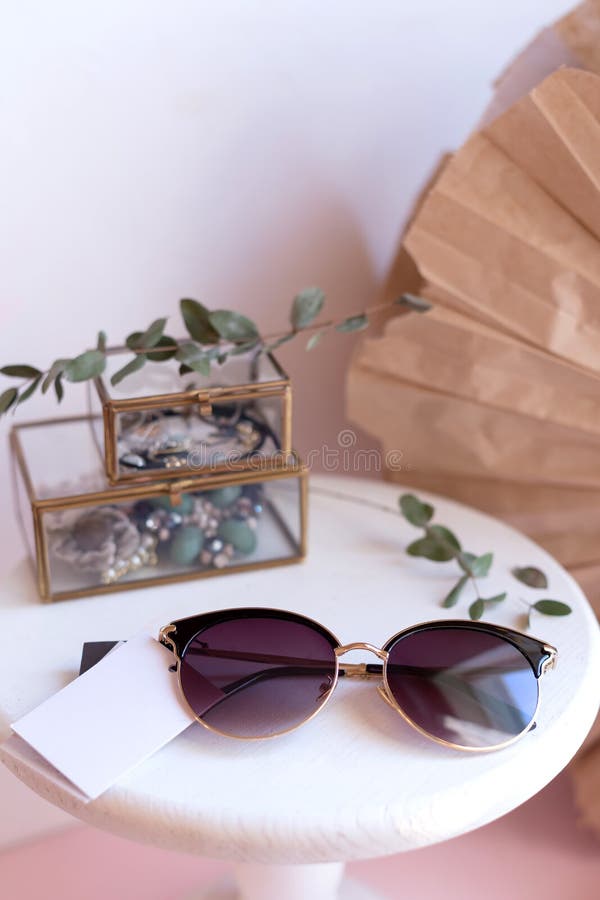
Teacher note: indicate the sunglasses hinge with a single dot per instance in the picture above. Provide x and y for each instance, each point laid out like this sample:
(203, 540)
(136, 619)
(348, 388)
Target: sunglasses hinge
(165, 639)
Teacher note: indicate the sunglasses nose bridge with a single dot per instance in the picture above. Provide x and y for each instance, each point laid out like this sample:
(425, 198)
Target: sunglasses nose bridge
(360, 645)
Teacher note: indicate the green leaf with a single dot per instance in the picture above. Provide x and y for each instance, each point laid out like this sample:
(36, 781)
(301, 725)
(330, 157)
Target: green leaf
(134, 365)
(315, 339)
(480, 566)
(531, 576)
(157, 355)
(414, 510)
(466, 560)
(497, 598)
(87, 365)
(58, 387)
(438, 545)
(417, 304)
(354, 323)
(306, 307)
(21, 371)
(55, 370)
(101, 341)
(197, 322)
(30, 390)
(7, 399)
(476, 609)
(194, 358)
(141, 340)
(184, 370)
(424, 547)
(552, 608)
(233, 326)
(453, 597)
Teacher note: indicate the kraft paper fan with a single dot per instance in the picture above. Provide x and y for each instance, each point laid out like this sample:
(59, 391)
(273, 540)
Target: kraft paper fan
(510, 232)
(493, 397)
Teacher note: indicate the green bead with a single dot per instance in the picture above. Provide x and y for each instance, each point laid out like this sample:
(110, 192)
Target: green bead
(223, 497)
(239, 534)
(186, 545)
(184, 508)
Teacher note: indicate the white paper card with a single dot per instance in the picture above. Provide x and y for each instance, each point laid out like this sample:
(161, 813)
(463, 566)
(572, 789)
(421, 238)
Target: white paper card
(111, 718)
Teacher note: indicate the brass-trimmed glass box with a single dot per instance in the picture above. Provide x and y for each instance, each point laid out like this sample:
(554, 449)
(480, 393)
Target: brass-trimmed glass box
(158, 423)
(87, 536)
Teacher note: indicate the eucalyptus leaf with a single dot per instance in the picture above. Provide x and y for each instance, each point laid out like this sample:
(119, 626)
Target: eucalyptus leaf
(141, 340)
(445, 538)
(54, 371)
(452, 598)
(466, 560)
(196, 318)
(306, 307)
(201, 365)
(497, 598)
(86, 365)
(194, 358)
(417, 304)
(184, 370)
(481, 565)
(101, 341)
(30, 390)
(354, 323)
(414, 510)
(476, 609)
(20, 371)
(158, 355)
(552, 608)
(531, 576)
(315, 339)
(233, 326)
(7, 399)
(134, 365)
(58, 388)
(427, 548)
(436, 546)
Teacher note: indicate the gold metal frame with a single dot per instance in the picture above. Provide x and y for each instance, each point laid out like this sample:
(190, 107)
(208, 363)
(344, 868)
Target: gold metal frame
(359, 670)
(116, 494)
(204, 398)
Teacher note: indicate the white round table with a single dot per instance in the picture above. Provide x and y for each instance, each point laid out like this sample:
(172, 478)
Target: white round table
(356, 782)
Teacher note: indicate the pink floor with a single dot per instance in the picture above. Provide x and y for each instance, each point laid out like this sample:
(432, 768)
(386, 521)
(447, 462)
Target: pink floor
(538, 851)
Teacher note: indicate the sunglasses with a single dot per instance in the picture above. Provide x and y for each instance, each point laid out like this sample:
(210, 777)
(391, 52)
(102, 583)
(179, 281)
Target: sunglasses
(258, 673)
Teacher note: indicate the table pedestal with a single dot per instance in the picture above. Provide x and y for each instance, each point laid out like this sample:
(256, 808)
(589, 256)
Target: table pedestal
(263, 882)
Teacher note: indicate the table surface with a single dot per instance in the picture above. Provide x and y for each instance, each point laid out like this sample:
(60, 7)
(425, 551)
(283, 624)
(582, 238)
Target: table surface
(356, 781)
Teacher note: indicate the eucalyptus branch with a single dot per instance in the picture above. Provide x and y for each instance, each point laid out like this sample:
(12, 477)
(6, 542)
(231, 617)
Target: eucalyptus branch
(213, 338)
(439, 544)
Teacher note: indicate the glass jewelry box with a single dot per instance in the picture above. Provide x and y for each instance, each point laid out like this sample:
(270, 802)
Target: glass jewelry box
(87, 536)
(158, 423)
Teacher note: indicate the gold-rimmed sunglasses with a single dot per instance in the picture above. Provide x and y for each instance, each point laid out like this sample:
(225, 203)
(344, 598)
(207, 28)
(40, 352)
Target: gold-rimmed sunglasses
(255, 673)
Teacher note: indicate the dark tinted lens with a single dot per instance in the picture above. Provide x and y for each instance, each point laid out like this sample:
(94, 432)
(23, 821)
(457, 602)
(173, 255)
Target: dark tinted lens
(257, 677)
(464, 686)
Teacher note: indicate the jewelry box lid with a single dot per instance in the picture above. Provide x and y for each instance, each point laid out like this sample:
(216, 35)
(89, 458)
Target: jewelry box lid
(61, 466)
(158, 384)
(160, 424)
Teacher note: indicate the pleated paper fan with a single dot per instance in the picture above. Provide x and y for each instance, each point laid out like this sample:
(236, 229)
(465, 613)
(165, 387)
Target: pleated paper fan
(510, 231)
(494, 396)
